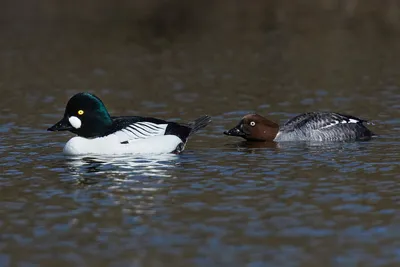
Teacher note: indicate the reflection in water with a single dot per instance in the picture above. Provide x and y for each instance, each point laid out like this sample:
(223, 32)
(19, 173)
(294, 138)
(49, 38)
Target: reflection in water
(123, 166)
(312, 147)
(129, 181)
(249, 144)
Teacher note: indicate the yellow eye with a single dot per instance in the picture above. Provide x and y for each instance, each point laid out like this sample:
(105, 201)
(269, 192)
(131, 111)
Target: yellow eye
(80, 112)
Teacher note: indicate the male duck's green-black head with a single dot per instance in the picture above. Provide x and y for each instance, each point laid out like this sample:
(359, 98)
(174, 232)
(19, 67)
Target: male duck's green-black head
(85, 115)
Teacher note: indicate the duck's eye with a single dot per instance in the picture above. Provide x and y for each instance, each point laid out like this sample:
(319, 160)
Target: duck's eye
(252, 123)
(80, 112)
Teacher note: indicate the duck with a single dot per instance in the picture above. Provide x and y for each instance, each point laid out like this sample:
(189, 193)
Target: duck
(311, 126)
(99, 133)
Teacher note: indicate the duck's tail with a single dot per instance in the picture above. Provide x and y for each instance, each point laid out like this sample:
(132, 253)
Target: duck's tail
(199, 123)
(192, 127)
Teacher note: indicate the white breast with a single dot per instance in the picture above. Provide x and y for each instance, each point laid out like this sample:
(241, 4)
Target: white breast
(111, 144)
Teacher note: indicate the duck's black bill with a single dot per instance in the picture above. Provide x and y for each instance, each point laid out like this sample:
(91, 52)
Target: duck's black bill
(62, 125)
(236, 131)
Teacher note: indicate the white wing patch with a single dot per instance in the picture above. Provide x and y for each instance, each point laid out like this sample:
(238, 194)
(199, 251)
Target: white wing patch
(335, 122)
(330, 124)
(140, 130)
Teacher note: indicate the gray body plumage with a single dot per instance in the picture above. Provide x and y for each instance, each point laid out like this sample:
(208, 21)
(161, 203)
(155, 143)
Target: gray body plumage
(323, 126)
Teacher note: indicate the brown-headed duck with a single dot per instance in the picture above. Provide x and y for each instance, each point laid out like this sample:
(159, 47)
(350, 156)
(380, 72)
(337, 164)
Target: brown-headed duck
(312, 126)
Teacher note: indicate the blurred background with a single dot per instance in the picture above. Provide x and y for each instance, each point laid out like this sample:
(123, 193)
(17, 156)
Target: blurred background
(222, 202)
(262, 47)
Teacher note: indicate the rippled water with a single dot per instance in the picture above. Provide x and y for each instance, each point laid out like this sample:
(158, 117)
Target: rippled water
(223, 202)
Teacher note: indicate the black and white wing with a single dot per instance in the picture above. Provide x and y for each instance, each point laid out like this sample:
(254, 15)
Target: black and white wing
(336, 119)
(320, 121)
(134, 128)
(326, 126)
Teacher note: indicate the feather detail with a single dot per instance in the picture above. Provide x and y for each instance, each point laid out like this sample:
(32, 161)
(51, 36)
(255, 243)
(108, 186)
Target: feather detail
(140, 130)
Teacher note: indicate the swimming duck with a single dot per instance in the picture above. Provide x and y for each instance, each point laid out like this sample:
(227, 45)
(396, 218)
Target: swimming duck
(99, 133)
(312, 126)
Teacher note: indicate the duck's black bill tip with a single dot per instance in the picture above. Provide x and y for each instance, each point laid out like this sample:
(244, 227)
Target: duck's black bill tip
(234, 132)
(62, 125)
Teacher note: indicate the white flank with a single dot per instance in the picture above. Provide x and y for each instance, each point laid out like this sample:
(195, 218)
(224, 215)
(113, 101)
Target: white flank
(111, 144)
(75, 122)
(353, 121)
(277, 136)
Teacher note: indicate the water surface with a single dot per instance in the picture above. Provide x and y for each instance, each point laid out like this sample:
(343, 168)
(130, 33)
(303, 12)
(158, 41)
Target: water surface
(223, 202)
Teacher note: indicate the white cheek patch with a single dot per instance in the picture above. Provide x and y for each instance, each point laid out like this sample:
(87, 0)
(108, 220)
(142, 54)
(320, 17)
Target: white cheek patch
(75, 122)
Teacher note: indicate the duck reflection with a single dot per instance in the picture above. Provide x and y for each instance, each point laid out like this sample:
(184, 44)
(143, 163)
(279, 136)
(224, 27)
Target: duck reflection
(133, 184)
(314, 147)
(89, 168)
(251, 147)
